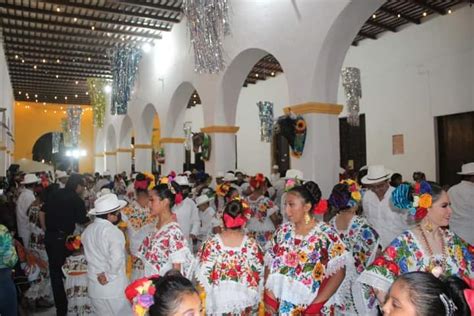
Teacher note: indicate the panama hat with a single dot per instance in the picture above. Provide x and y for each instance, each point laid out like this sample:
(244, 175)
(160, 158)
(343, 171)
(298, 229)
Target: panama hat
(376, 174)
(467, 169)
(61, 174)
(203, 199)
(229, 177)
(107, 203)
(182, 180)
(294, 174)
(30, 178)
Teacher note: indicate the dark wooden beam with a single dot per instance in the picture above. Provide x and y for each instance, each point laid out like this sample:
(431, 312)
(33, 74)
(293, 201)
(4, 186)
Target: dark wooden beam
(367, 35)
(19, 74)
(51, 83)
(37, 59)
(92, 33)
(58, 70)
(403, 16)
(76, 101)
(102, 40)
(88, 18)
(380, 25)
(17, 47)
(30, 87)
(52, 42)
(430, 6)
(106, 10)
(152, 6)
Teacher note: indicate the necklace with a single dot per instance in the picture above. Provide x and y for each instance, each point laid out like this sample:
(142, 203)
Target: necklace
(437, 267)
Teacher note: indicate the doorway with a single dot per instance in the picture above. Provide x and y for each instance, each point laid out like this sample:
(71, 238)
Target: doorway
(352, 144)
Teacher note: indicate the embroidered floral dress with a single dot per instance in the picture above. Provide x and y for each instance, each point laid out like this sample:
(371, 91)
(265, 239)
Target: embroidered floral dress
(41, 287)
(75, 270)
(299, 264)
(362, 241)
(163, 248)
(232, 277)
(406, 254)
(260, 226)
(139, 224)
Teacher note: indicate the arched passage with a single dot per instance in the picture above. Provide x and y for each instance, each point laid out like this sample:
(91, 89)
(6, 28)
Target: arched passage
(124, 151)
(144, 136)
(111, 150)
(42, 151)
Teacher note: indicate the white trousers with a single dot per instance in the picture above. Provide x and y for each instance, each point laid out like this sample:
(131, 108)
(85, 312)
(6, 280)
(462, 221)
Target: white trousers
(111, 306)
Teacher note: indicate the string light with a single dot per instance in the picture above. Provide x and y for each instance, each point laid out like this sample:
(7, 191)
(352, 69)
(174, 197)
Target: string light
(88, 59)
(16, 56)
(34, 67)
(272, 73)
(77, 82)
(449, 11)
(44, 61)
(23, 61)
(374, 16)
(256, 75)
(55, 97)
(19, 92)
(65, 98)
(57, 76)
(75, 95)
(36, 95)
(425, 14)
(93, 27)
(75, 20)
(398, 15)
(58, 61)
(87, 93)
(58, 9)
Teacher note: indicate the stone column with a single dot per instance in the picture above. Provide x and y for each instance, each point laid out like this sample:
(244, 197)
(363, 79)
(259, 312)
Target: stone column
(111, 162)
(174, 154)
(124, 160)
(320, 160)
(143, 157)
(99, 162)
(223, 148)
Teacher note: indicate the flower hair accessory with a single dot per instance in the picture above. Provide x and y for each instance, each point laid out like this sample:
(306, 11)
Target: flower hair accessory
(231, 222)
(416, 199)
(246, 211)
(469, 293)
(321, 208)
(449, 305)
(222, 189)
(140, 294)
(291, 183)
(73, 242)
(257, 181)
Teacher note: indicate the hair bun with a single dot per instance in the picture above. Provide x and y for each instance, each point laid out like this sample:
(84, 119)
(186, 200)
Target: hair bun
(314, 191)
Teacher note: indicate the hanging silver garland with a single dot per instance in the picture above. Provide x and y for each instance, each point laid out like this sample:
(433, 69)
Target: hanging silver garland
(208, 23)
(74, 124)
(265, 113)
(124, 71)
(353, 91)
(56, 142)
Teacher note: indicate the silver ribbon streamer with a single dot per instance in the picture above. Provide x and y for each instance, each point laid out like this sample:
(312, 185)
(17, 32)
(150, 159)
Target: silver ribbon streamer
(353, 91)
(56, 142)
(265, 113)
(74, 124)
(208, 23)
(188, 135)
(124, 71)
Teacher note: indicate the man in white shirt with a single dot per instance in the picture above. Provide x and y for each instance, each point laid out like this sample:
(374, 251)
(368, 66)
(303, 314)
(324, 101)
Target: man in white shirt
(104, 249)
(187, 213)
(206, 215)
(461, 196)
(25, 199)
(388, 221)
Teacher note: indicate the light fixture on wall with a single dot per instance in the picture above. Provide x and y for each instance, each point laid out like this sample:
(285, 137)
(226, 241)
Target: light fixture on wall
(76, 153)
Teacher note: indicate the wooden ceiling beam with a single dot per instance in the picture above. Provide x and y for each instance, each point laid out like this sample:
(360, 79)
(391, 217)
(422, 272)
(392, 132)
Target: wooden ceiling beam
(82, 83)
(382, 26)
(15, 74)
(367, 35)
(429, 6)
(403, 16)
(98, 48)
(24, 88)
(83, 17)
(57, 69)
(92, 33)
(37, 59)
(63, 51)
(66, 103)
(152, 6)
(109, 10)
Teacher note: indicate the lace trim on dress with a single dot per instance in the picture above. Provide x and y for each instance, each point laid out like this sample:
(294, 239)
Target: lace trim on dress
(287, 289)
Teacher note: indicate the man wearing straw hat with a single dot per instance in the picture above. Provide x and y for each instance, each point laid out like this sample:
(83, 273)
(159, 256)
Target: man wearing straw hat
(104, 249)
(25, 199)
(462, 203)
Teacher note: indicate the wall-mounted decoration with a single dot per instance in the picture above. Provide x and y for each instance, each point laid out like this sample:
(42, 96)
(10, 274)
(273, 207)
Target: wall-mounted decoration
(398, 147)
(124, 70)
(96, 88)
(74, 124)
(56, 142)
(265, 113)
(202, 144)
(353, 91)
(293, 128)
(208, 23)
(188, 135)
(160, 156)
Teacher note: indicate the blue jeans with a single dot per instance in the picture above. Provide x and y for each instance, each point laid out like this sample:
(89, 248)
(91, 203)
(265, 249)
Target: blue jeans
(8, 301)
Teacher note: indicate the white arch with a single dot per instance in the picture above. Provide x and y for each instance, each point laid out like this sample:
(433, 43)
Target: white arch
(149, 112)
(125, 136)
(111, 139)
(179, 101)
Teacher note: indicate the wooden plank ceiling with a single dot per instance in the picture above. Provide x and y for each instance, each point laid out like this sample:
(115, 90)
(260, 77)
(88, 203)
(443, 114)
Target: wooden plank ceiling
(53, 46)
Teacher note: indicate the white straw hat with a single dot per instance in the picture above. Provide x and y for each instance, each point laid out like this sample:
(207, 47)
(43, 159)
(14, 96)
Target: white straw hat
(30, 178)
(107, 203)
(61, 174)
(376, 174)
(229, 177)
(203, 199)
(467, 169)
(182, 180)
(294, 174)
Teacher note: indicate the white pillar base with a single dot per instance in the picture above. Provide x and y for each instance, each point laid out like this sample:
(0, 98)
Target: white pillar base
(124, 161)
(111, 163)
(143, 159)
(174, 158)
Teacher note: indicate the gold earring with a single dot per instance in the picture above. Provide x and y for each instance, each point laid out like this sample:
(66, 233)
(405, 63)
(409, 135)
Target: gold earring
(429, 226)
(307, 218)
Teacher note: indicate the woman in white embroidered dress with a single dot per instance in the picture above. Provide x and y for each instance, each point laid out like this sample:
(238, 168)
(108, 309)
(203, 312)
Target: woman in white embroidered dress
(230, 267)
(360, 239)
(139, 224)
(166, 247)
(306, 258)
(265, 215)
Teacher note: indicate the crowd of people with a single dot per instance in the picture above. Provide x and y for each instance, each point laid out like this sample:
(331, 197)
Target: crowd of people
(233, 244)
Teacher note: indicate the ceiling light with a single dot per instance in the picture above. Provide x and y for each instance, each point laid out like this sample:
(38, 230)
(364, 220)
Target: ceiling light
(65, 98)
(16, 56)
(57, 76)
(58, 61)
(34, 67)
(75, 19)
(23, 61)
(398, 16)
(88, 59)
(87, 93)
(92, 27)
(75, 95)
(36, 95)
(449, 11)
(108, 88)
(425, 14)
(146, 47)
(77, 82)
(19, 92)
(44, 60)
(55, 97)
(58, 9)
(374, 16)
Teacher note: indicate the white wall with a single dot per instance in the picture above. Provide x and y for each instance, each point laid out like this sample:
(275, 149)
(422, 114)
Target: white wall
(6, 101)
(409, 78)
(253, 155)
(195, 115)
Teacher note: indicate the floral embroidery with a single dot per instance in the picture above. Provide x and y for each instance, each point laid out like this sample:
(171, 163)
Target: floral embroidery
(137, 217)
(260, 208)
(304, 260)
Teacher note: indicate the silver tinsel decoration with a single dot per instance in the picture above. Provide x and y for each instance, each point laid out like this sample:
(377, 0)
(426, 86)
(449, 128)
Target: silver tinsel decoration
(124, 70)
(74, 124)
(188, 135)
(56, 142)
(208, 23)
(353, 91)
(265, 113)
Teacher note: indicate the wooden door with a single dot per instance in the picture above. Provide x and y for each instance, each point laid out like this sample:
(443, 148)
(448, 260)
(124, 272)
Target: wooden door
(455, 145)
(352, 143)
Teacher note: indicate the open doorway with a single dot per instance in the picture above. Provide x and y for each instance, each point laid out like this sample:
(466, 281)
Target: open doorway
(352, 144)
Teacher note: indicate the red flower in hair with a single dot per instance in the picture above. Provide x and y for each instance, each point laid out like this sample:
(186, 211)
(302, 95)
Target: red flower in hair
(131, 290)
(380, 261)
(393, 268)
(321, 208)
(178, 198)
(420, 213)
